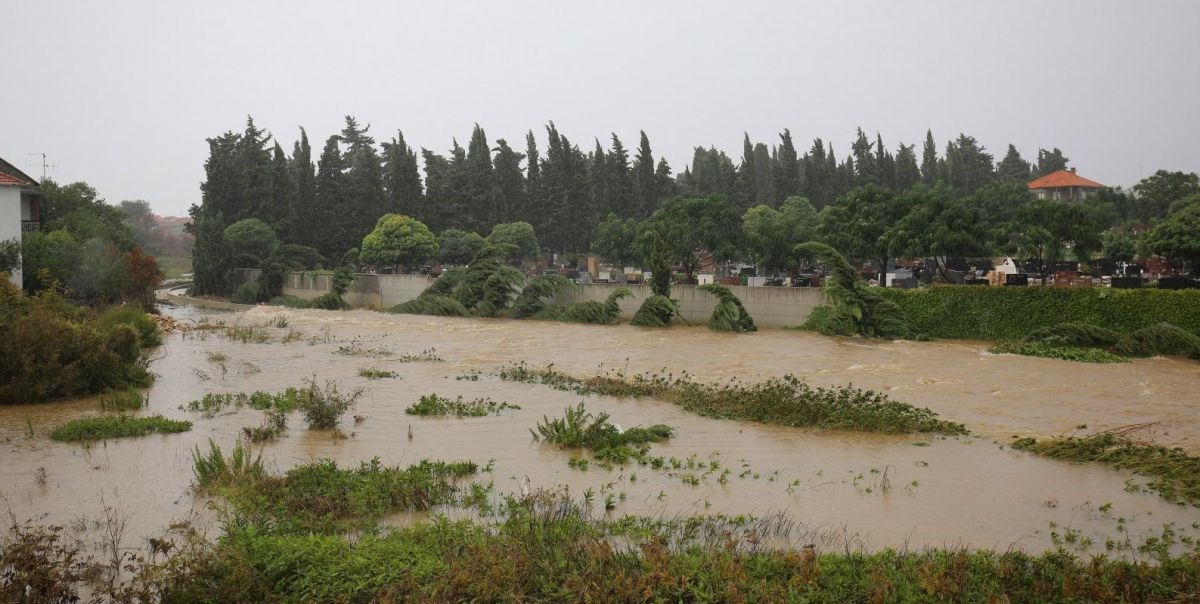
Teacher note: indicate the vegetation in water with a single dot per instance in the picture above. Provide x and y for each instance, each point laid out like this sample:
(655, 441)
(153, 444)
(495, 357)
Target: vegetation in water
(321, 406)
(1051, 351)
(1161, 339)
(588, 311)
(786, 400)
(1174, 473)
(376, 374)
(656, 311)
(428, 355)
(104, 427)
(531, 301)
(729, 314)
(273, 425)
(432, 404)
(320, 497)
(129, 399)
(579, 429)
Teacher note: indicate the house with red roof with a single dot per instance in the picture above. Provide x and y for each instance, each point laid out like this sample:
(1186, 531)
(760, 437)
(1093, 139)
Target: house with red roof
(19, 210)
(1064, 185)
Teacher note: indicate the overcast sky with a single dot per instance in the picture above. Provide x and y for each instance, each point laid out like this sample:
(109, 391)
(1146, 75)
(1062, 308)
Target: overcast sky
(123, 94)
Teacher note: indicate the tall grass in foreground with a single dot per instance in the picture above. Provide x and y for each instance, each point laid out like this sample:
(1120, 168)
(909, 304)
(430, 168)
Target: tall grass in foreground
(787, 400)
(214, 470)
(128, 399)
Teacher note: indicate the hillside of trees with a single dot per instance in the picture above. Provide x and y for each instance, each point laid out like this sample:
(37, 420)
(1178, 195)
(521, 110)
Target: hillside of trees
(873, 202)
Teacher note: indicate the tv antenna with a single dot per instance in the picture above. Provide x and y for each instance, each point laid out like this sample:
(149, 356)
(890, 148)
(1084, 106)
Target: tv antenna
(44, 164)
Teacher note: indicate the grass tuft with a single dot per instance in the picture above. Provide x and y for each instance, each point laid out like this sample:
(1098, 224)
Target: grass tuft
(582, 430)
(116, 426)
(129, 399)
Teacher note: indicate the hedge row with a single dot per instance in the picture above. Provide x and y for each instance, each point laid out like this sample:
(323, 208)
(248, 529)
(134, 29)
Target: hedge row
(1008, 313)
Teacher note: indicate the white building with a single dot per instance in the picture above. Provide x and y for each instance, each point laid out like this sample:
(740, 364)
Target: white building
(19, 209)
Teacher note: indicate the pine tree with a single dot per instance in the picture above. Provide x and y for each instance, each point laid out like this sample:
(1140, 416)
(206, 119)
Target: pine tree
(907, 172)
(1013, 168)
(864, 160)
(929, 160)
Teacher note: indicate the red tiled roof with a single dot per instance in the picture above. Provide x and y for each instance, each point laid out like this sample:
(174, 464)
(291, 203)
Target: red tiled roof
(8, 179)
(1064, 178)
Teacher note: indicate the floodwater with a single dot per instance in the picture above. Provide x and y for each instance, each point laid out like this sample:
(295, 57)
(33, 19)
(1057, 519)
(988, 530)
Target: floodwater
(967, 491)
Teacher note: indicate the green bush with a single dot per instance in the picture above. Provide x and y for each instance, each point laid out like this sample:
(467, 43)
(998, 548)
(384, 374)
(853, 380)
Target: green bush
(147, 329)
(1011, 313)
(52, 349)
(1074, 334)
(656, 311)
(1057, 351)
(247, 293)
(290, 302)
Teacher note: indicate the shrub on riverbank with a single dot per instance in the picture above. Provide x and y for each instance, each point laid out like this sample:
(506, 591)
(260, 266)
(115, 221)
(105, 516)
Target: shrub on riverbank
(1061, 352)
(1011, 313)
(1092, 344)
(786, 401)
(53, 349)
(104, 427)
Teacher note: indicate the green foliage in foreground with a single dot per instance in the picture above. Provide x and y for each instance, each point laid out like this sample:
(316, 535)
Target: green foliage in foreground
(432, 404)
(322, 406)
(1061, 352)
(320, 496)
(580, 429)
(1161, 339)
(1175, 473)
(117, 426)
(1011, 313)
(540, 557)
(786, 401)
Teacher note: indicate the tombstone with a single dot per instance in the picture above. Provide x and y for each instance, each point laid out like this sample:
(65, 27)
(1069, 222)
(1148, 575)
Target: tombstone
(1018, 280)
(1126, 282)
(1178, 282)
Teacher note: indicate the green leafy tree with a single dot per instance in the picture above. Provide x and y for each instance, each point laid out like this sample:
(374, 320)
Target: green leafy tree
(250, 241)
(860, 224)
(1013, 168)
(691, 225)
(929, 160)
(1050, 161)
(968, 165)
(1051, 228)
(938, 225)
(520, 236)
(1178, 237)
(10, 256)
(1157, 192)
(459, 247)
(616, 239)
(398, 241)
(771, 235)
(1120, 245)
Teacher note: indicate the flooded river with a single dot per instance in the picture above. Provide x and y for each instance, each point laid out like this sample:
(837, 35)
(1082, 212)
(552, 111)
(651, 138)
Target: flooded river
(968, 491)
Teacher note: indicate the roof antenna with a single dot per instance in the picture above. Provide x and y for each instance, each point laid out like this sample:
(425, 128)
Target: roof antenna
(44, 164)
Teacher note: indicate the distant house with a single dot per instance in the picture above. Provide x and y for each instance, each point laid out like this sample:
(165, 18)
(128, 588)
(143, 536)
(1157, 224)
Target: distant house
(1064, 185)
(19, 209)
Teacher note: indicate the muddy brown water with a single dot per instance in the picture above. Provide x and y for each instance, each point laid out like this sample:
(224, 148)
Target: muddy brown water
(967, 491)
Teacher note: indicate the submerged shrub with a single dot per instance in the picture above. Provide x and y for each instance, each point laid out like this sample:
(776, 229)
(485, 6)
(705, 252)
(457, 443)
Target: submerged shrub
(135, 317)
(530, 302)
(117, 426)
(290, 302)
(1083, 335)
(1175, 472)
(854, 308)
(1057, 351)
(432, 404)
(322, 407)
(589, 311)
(1162, 339)
(247, 293)
(433, 304)
(214, 469)
(580, 429)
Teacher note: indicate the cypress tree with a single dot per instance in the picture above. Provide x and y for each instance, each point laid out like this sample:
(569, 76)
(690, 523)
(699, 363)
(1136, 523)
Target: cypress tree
(643, 175)
(328, 231)
(929, 160)
(480, 182)
(620, 181)
(438, 201)
(402, 179)
(1050, 161)
(510, 184)
(885, 164)
(907, 172)
(663, 183)
(787, 168)
(534, 194)
(304, 228)
(364, 199)
(764, 177)
(864, 160)
(281, 211)
(1013, 168)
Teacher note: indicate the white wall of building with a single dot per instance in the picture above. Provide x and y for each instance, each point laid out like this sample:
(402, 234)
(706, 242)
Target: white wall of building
(10, 220)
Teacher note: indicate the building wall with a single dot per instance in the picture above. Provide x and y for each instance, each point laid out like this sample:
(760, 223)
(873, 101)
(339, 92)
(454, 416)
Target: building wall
(771, 307)
(10, 220)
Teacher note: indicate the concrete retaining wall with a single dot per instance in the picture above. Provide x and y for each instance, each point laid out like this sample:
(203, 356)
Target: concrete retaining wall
(771, 307)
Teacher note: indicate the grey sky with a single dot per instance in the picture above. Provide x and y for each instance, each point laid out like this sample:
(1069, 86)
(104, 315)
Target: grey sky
(123, 94)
